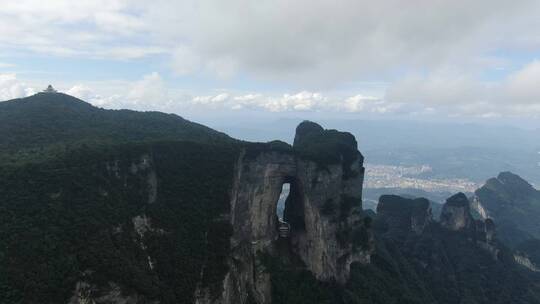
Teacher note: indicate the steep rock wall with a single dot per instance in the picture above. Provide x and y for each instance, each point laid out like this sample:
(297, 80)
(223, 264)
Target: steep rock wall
(402, 216)
(456, 213)
(324, 210)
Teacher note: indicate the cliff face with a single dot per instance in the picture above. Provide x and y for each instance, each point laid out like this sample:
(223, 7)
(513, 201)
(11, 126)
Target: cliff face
(402, 215)
(456, 213)
(107, 216)
(457, 260)
(456, 216)
(324, 210)
(181, 222)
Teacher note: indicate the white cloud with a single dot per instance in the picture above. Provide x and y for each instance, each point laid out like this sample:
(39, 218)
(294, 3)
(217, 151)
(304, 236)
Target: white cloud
(150, 90)
(439, 87)
(303, 101)
(185, 61)
(434, 55)
(523, 86)
(302, 43)
(148, 93)
(4, 65)
(87, 94)
(11, 87)
(82, 92)
(517, 94)
(359, 103)
(423, 96)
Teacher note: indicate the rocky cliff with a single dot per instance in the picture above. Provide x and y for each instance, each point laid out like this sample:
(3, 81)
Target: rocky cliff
(402, 215)
(456, 213)
(457, 260)
(324, 211)
(100, 206)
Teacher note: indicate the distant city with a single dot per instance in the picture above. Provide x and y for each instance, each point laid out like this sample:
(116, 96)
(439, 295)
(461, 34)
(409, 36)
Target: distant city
(388, 176)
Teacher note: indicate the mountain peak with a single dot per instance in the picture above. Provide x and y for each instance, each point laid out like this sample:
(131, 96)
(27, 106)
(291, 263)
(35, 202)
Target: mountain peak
(47, 97)
(403, 215)
(510, 178)
(458, 200)
(455, 214)
(510, 183)
(513, 203)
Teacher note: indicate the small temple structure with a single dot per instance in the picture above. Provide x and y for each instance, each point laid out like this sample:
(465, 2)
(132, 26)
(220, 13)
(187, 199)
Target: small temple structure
(284, 229)
(50, 89)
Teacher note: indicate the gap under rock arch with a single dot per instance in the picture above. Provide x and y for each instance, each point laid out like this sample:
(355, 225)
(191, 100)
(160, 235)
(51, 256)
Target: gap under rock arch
(289, 208)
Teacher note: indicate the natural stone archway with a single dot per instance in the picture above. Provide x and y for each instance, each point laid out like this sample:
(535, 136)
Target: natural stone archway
(285, 189)
(324, 209)
(293, 213)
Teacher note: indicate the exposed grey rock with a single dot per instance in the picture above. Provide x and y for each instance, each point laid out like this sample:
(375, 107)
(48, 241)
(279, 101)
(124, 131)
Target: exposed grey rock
(456, 216)
(456, 213)
(402, 215)
(477, 206)
(524, 261)
(324, 203)
(86, 293)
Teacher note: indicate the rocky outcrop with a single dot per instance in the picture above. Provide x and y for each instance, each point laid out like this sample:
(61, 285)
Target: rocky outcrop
(402, 215)
(88, 293)
(477, 206)
(524, 261)
(485, 230)
(456, 214)
(324, 209)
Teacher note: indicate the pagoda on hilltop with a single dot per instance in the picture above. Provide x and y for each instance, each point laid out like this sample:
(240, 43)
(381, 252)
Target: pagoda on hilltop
(50, 89)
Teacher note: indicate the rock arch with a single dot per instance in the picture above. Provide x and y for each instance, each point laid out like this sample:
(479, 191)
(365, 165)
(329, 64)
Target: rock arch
(324, 209)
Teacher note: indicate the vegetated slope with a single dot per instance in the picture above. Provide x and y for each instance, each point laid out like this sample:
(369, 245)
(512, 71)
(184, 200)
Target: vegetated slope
(419, 265)
(514, 204)
(98, 200)
(47, 119)
(441, 267)
(105, 205)
(146, 218)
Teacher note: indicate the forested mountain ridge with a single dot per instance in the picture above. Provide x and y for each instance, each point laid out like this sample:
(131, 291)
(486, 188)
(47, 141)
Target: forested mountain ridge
(48, 119)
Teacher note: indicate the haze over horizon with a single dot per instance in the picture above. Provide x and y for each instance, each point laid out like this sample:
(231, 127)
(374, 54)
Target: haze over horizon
(211, 61)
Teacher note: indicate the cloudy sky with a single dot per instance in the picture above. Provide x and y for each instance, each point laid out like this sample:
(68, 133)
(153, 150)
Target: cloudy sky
(418, 58)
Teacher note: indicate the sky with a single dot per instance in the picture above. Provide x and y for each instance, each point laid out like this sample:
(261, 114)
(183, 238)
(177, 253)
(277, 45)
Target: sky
(417, 59)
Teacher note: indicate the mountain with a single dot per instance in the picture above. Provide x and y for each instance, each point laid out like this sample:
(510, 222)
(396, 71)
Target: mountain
(100, 206)
(457, 260)
(513, 203)
(47, 119)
